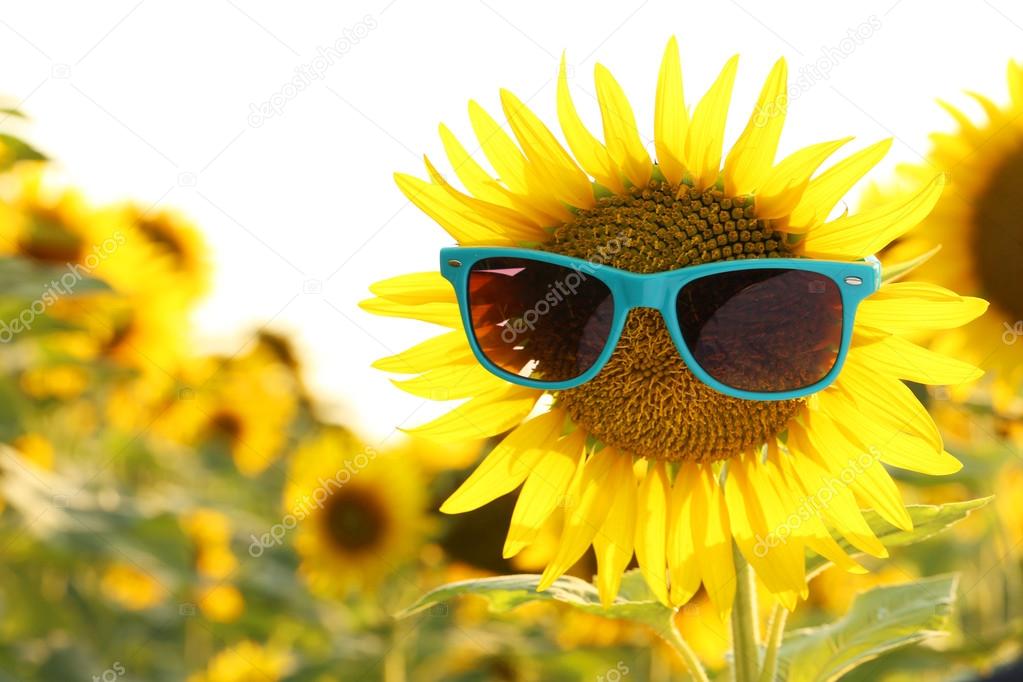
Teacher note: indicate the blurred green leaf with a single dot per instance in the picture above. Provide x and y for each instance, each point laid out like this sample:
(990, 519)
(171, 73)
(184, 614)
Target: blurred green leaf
(26, 280)
(9, 111)
(880, 620)
(17, 150)
(928, 520)
(505, 592)
(635, 602)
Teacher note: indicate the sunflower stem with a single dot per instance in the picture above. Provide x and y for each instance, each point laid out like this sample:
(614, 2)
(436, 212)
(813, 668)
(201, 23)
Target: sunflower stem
(775, 632)
(394, 660)
(672, 636)
(745, 623)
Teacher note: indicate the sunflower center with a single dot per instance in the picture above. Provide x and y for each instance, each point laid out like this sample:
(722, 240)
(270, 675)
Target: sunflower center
(998, 241)
(646, 400)
(47, 239)
(226, 425)
(354, 520)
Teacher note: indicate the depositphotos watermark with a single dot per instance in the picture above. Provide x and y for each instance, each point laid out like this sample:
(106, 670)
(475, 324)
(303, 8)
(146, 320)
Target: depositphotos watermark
(1012, 332)
(302, 508)
(808, 75)
(810, 506)
(61, 286)
(615, 674)
(559, 290)
(310, 72)
(111, 674)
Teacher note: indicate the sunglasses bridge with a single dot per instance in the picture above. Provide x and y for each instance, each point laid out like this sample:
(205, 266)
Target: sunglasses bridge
(641, 291)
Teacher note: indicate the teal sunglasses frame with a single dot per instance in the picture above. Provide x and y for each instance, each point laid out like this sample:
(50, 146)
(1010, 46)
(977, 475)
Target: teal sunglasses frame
(855, 281)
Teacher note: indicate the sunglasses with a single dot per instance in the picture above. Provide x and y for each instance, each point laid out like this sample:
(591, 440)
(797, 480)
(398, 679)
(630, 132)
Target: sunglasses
(759, 329)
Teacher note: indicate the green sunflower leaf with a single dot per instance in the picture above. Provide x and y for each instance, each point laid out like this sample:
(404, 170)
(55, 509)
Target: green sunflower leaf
(25, 280)
(635, 602)
(13, 150)
(928, 520)
(879, 621)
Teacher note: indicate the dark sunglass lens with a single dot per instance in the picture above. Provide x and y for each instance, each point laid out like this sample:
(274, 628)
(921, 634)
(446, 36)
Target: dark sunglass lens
(538, 320)
(767, 330)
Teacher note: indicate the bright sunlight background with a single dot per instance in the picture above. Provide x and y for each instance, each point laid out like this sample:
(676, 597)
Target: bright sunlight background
(159, 101)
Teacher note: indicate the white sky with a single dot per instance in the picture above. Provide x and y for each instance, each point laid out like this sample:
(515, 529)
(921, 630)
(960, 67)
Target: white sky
(152, 100)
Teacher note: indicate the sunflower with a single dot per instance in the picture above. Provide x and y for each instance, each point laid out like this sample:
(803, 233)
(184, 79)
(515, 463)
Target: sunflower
(979, 232)
(246, 661)
(131, 587)
(359, 513)
(138, 323)
(174, 243)
(645, 459)
(244, 405)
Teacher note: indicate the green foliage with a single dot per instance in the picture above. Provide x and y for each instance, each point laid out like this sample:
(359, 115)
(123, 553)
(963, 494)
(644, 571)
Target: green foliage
(879, 621)
(13, 149)
(928, 520)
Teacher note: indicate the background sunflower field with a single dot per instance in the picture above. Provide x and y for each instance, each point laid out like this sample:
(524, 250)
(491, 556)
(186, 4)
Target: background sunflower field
(201, 476)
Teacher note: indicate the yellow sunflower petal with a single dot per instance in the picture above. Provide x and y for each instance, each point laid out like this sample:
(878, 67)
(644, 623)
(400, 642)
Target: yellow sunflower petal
(752, 155)
(449, 348)
(545, 489)
(499, 219)
(867, 478)
(481, 417)
(818, 537)
(442, 313)
(706, 133)
(451, 382)
(652, 528)
(457, 221)
(681, 554)
(904, 359)
(890, 437)
(887, 400)
(864, 233)
(784, 185)
(414, 288)
(746, 517)
(587, 149)
(1015, 78)
(499, 149)
(508, 463)
(832, 497)
(620, 132)
(587, 513)
(827, 189)
(713, 541)
(513, 169)
(613, 544)
(670, 116)
(901, 307)
(472, 175)
(794, 562)
(558, 170)
(762, 532)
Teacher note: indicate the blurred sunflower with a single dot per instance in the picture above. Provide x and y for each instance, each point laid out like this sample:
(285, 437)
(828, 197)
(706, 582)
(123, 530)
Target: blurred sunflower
(645, 458)
(210, 533)
(220, 603)
(981, 237)
(360, 514)
(131, 587)
(140, 323)
(176, 247)
(243, 404)
(246, 661)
